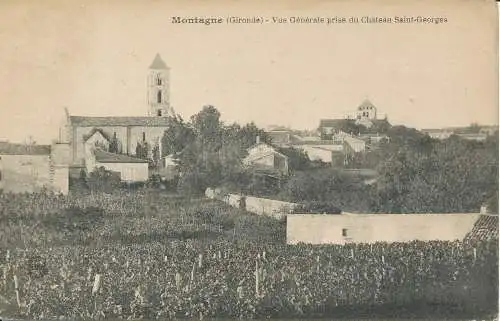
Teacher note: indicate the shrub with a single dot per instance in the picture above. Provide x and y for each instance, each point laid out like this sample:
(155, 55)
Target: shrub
(317, 207)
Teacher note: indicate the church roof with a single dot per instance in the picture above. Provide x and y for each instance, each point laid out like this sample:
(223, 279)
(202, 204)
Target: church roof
(92, 133)
(366, 103)
(84, 121)
(22, 149)
(107, 157)
(158, 63)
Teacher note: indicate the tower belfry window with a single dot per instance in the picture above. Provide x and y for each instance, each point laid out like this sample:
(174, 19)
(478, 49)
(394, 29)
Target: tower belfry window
(158, 97)
(159, 81)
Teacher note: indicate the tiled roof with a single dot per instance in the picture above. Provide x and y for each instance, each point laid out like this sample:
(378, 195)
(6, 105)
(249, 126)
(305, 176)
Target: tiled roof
(485, 228)
(158, 63)
(21, 149)
(106, 157)
(84, 121)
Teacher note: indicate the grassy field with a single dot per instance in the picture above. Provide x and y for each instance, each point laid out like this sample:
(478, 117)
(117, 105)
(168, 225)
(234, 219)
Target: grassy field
(148, 254)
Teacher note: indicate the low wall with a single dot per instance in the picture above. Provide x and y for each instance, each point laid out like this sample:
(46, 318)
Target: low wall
(256, 205)
(370, 228)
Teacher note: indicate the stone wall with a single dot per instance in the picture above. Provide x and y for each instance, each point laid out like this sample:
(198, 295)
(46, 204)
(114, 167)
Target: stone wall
(256, 205)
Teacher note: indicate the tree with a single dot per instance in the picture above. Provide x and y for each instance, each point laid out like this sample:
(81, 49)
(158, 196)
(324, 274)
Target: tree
(155, 156)
(207, 124)
(113, 144)
(177, 136)
(427, 175)
(297, 159)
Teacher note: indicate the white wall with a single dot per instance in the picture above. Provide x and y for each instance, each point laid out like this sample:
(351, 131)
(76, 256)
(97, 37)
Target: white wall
(129, 172)
(61, 180)
(369, 228)
(25, 173)
(259, 206)
(318, 153)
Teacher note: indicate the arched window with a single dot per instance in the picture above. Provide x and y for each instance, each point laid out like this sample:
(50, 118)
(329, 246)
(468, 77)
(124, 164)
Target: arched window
(159, 81)
(158, 97)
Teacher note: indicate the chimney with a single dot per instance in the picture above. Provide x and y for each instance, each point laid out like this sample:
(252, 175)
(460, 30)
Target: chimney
(257, 139)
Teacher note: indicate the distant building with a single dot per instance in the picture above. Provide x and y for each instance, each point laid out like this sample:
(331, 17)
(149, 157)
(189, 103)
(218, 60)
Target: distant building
(437, 133)
(319, 150)
(264, 158)
(280, 137)
(124, 135)
(365, 111)
(365, 114)
(31, 168)
(477, 132)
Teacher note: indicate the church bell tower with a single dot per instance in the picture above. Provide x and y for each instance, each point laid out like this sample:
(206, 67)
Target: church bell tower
(159, 89)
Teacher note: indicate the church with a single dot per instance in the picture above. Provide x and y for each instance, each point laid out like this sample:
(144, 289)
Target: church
(122, 140)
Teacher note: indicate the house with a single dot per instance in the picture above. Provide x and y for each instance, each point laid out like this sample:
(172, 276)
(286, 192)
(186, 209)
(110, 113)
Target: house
(329, 127)
(131, 169)
(285, 138)
(135, 136)
(353, 145)
(266, 159)
(371, 228)
(320, 150)
(476, 132)
(31, 168)
(280, 137)
(438, 133)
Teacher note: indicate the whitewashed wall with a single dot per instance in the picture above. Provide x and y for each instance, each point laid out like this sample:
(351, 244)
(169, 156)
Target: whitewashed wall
(129, 172)
(61, 180)
(259, 206)
(369, 228)
(25, 173)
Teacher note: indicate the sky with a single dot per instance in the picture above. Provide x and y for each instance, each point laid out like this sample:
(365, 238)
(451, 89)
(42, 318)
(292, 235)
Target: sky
(92, 57)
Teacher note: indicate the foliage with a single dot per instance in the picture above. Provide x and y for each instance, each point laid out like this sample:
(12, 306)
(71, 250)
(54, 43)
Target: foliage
(317, 207)
(103, 180)
(142, 150)
(176, 137)
(113, 145)
(425, 175)
(297, 159)
(329, 187)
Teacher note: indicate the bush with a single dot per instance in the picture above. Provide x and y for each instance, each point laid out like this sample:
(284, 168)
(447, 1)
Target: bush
(103, 180)
(317, 207)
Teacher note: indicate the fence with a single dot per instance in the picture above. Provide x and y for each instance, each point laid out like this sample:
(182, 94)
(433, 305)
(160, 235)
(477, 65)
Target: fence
(256, 205)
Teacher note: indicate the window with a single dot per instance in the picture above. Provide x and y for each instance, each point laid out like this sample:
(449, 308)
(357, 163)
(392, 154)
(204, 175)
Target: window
(158, 80)
(158, 97)
(143, 136)
(344, 232)
(158, 112)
